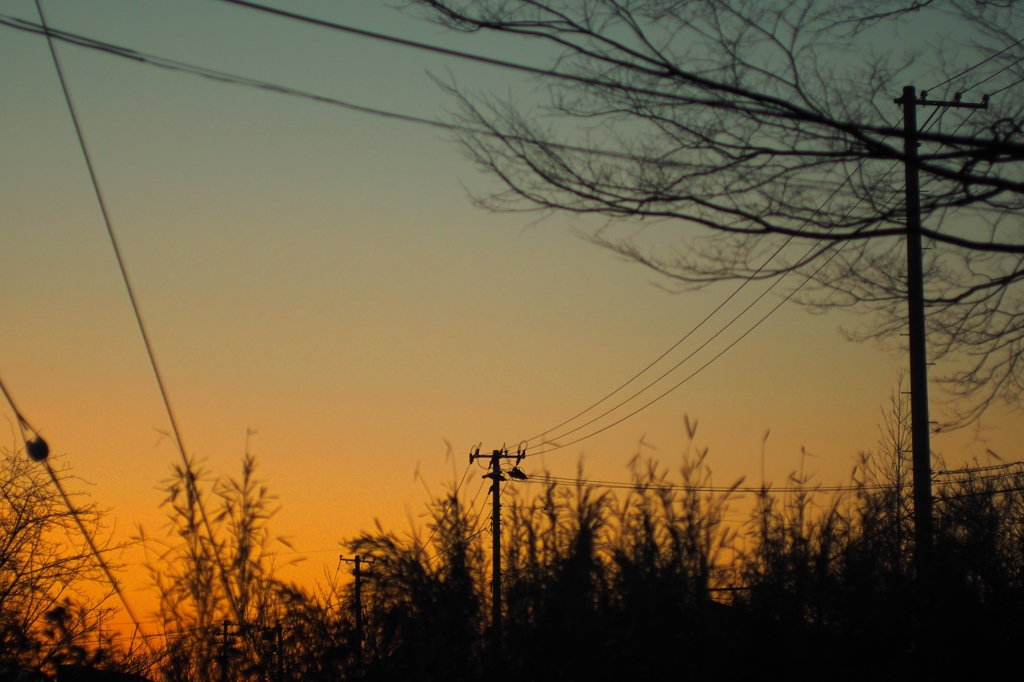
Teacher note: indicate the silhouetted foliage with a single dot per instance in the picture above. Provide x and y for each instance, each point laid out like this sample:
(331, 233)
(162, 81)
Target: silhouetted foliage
(52, 606)
(668, 575)
(218, 564)
(655, 579)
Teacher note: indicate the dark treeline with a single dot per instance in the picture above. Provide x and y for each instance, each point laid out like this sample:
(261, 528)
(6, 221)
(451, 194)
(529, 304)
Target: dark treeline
(598, 584)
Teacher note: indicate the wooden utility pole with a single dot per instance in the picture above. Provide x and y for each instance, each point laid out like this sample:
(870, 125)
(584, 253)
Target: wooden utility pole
(280, 653)
(920, 424)
(357, 562)
(497, 478)
(224, 653)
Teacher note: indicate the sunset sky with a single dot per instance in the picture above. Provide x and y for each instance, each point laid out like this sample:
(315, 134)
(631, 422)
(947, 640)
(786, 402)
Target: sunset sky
(321, 276)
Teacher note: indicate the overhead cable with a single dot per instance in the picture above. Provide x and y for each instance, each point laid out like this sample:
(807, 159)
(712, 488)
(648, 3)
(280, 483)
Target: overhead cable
(983, 61)
(245, 81)
(555, 446)
(746, 280)
(179, 442)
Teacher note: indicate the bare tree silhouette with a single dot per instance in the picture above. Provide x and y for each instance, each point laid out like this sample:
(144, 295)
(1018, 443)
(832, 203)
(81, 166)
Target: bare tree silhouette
(51, 588)
(739, 129)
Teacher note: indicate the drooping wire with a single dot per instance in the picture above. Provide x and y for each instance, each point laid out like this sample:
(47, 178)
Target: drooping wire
(656, 70)
(447, 547)
(727, 325)
(671, 348)
(632, 485)
(473, 526)
(179, 442)
(790, 295)
(560, 446)
(742, 285)
(202, 71)
(676, 366)
(482, 59)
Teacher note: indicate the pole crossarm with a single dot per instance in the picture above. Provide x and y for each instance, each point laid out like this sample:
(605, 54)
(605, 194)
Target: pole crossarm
(923, 101)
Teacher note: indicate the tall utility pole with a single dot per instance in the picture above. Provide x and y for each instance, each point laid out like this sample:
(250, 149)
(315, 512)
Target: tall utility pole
(359, 574)
(497, 478)
(920, 424)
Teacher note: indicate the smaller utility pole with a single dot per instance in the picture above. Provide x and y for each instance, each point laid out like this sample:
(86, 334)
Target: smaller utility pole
(224, 653)
(357, 562)
(280, 651)
(497, 478)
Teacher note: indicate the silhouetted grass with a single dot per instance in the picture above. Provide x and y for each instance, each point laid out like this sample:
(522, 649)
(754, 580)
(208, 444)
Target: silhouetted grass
(602, 586)
(653, 580)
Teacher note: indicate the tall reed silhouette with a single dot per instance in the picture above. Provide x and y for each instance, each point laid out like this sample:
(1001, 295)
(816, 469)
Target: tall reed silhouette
(605, 584)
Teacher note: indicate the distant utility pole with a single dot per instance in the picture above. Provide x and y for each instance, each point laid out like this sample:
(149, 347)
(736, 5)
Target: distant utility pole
(920, 424)
(224, 653)
(280, 653)
(497, 478)
(359, 575)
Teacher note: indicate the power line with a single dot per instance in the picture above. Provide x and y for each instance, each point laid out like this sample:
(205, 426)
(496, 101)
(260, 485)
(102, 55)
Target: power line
(742, 285)
(37, 447)
(790, 295)
(681, 362)
(1007, 87)
(972, 68)
(729, 324)
(473, 525)
(671, 348)
(991, 76)
(627, 485)
(411, 43)
(643, 485)
(235, 79)
(131, 296)
(22, 422)
(202, 71)
(472, 505)
(698, 371)
(447, 547)
(38, 450)
(656, 71)
(705, 365)
(451, 502)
